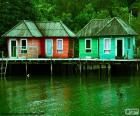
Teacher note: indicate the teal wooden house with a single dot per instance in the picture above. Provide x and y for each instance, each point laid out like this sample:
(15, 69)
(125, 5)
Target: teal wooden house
(107, 39)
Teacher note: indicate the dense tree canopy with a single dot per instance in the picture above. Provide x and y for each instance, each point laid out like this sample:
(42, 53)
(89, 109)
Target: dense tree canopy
(74, 13)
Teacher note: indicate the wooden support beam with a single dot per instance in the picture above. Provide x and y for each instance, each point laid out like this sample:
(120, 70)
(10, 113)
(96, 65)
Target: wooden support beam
(137, 66)
(26, 68)
(100, 70)
(80, 68)
(51, 68)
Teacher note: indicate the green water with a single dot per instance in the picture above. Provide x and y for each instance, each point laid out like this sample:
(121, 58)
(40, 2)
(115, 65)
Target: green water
(90, 95)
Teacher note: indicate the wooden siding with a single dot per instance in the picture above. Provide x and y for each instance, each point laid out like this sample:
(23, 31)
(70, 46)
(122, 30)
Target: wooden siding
(128, 53)
(102, 55)
(94, 51)
(32, 52)
(42, 47)
(65, 52)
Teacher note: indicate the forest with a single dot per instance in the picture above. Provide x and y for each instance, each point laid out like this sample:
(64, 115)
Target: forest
(74, 13)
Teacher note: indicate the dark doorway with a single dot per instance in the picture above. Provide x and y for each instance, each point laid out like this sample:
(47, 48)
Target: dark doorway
(119, 49)
(13, 48)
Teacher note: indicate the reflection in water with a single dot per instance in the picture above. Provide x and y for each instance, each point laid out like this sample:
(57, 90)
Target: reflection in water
(91, 94)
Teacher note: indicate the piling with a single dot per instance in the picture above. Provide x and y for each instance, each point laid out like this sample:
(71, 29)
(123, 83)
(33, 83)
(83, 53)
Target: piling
(86, 68)
(26, 68)
(137, 66)
(107, 70)
(80, 67)
(100, 70)
(51, 68)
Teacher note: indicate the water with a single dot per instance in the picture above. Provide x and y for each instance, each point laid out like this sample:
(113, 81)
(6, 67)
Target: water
(88, 95)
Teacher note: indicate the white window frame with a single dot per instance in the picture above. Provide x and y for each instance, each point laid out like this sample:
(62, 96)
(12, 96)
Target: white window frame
(60, 51)
(9, 47)
(22, 46)
(109, 49)
(90, 45)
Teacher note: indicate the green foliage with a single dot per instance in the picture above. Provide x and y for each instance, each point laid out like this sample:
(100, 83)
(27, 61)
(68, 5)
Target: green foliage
(74, 13)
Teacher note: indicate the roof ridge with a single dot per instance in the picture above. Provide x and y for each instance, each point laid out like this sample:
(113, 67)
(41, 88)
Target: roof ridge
(39, 29)
(47, 21)
(84, 26)
(12, 28)
(63, 27)
(108, 22)
(122, 25)
(28, 27)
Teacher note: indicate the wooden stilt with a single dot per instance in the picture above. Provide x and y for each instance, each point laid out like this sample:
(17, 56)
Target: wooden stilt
(26, 65)
(51, 69)
(92, 66)
(80, 68)
(107, 69)
(86, 68)
(100, 70)
(137, 66)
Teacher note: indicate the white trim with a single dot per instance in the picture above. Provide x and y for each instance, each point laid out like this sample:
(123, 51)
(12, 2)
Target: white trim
(109, 45)
(122, 46)
(46, 47)
(21, 43)
(90, 44)
(57, 44)
(9, 47)
(134, 42)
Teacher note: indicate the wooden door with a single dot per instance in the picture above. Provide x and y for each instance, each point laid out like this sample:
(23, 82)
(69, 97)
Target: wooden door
(13, 50)
(119, 49)
(49, 47)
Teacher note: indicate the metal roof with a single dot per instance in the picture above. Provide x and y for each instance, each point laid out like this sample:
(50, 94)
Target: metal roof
(57, 29)
(39, 29)
(106, 27)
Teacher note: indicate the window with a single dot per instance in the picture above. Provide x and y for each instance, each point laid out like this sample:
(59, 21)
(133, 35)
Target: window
(88, 45)
(128, 43)
(59, 46)
(107, 43)
(24, 46)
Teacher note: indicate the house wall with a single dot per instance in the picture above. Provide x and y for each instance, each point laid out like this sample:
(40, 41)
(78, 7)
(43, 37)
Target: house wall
(94, 51)
(102, 55)
(128, 53)
(65, 53)
(33, 48)
(65, 48)
(42, 47)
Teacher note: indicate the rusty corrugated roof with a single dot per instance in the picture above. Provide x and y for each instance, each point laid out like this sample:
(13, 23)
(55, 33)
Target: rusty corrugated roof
(39, 29)
(57, 28)
(106, 27)
(23, 29)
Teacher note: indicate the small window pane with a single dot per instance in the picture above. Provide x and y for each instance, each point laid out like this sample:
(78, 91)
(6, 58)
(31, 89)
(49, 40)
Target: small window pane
(107, 44)
(88, 44)
(23, 51)
(23, 44)
(59, 45)
(88, 50)
(107, 51)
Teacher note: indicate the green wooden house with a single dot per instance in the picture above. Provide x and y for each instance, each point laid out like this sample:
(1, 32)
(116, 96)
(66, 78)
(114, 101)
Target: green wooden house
(107, 39)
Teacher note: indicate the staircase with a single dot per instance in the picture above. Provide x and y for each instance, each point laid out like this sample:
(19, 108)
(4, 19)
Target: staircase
(3, 67)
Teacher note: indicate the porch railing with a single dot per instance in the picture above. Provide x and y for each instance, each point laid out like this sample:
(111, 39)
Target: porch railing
(28, 52)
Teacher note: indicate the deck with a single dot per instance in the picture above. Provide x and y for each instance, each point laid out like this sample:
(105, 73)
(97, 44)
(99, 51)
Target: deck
(69, 60)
